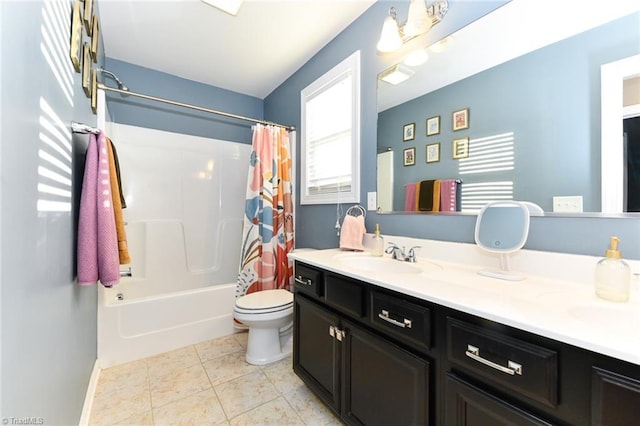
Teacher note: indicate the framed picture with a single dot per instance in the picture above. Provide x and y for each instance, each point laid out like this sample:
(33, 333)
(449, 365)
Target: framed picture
(409, 132)
(409, 156)
(76, 37)
(94, 90)
(460, 148)
(86, 70)
(433, 153)
(460, 119)
(95, 38)
(433, 125)
(88, 16)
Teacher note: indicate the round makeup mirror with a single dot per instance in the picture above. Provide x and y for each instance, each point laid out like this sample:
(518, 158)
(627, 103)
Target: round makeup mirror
(502, 227)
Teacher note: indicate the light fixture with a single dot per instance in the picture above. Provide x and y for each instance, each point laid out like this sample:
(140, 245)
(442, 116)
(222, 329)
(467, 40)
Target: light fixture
(390, 38)
(416, 58)
(229, 6)
(420, 20)
(396, 74)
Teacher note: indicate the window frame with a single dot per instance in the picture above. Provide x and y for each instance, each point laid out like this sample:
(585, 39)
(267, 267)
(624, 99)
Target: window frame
(349, 65)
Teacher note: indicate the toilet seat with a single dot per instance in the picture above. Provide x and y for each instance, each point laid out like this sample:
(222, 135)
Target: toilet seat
(263, 302)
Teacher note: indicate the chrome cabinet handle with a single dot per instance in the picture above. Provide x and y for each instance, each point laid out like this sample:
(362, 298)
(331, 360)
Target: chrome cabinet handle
(299, 280)
(336, 333)
(384, 315)
(511, 369)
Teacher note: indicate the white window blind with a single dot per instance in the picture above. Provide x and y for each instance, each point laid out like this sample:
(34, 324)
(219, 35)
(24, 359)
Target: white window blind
(488, 171)
(330, 136)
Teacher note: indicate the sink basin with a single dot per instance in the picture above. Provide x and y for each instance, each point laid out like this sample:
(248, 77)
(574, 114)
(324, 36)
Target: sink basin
(386, 265)
(606, 317)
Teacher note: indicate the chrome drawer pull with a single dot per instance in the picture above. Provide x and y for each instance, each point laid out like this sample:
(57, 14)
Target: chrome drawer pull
(512, 368)
(384, 315)
(336, 333)
(299, 280)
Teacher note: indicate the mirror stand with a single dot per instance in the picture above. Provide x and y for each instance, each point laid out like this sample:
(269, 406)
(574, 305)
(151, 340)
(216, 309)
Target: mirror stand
(505, 272)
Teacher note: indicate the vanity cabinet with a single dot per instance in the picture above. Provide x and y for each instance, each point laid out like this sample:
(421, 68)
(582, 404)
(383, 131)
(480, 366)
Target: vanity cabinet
(376, 356)
(363, 376)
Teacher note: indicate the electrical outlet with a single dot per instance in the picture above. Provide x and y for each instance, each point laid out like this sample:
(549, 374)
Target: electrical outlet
(372, 201)
(567, 204)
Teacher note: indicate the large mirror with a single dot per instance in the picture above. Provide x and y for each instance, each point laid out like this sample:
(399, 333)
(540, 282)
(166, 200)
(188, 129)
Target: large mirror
(511, 108)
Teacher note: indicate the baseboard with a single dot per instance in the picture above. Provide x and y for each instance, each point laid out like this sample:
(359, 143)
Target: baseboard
(91, 391)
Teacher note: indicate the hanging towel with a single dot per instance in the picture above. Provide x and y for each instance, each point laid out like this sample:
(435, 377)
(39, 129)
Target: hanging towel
(123, 203)
(352, 233)
(410, 197)
(97, 240)
(448, 195)
(425, 198)
(123, 250)
(436, 196)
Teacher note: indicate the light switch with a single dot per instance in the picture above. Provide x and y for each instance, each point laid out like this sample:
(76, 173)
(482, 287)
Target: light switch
(567, 204)
(371, 201)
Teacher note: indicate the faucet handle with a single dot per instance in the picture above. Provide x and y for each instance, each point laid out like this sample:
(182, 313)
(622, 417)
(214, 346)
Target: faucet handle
(391, 248)
(411, 256)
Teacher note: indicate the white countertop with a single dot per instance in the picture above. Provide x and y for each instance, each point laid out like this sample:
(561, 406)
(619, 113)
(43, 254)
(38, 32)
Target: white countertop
(560, 309)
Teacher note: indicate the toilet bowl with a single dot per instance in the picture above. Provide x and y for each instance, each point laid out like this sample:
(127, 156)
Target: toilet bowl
(269, 316)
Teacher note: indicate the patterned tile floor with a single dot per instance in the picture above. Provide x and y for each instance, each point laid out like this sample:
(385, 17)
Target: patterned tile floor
(206, 384)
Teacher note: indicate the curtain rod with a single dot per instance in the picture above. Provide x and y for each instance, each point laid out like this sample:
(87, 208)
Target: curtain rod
(196, 107)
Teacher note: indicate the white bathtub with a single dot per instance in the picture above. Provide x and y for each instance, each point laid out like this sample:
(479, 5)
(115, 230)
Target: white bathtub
(185, 203)
(133, 329)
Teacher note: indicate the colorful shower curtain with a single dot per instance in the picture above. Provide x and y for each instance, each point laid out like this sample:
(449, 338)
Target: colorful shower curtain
(268, 220)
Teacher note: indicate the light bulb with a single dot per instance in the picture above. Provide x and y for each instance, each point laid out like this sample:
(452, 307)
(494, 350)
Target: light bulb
(390, 37)
(418, 21)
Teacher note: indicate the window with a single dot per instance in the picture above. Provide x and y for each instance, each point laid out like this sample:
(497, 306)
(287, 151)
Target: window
(488, 171)
(331, 136)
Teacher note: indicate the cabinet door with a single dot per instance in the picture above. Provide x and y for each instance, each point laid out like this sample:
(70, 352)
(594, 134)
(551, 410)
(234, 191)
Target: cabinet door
(616, 399)
(470, 406)
(316, 357)
(383, 384)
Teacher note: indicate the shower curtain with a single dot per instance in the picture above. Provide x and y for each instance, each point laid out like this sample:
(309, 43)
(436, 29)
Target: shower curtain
(268, 221)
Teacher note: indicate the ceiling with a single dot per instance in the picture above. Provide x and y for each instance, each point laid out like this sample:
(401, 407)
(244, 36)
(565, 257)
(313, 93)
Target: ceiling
(251, 53)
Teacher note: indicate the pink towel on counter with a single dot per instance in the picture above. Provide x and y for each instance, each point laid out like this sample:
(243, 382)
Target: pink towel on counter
(410, 197)
(448, 195)
(97, 238)
(352, 233)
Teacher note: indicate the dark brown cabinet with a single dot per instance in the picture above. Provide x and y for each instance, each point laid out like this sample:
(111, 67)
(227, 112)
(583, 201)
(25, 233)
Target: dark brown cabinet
(363, 378)
(384, 385)
(317, 354)
(355, 369)
(378, 357)
(468, 405)
(615, 399)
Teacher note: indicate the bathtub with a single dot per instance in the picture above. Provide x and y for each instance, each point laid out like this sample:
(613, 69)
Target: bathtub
(185, 205)
(133, 329)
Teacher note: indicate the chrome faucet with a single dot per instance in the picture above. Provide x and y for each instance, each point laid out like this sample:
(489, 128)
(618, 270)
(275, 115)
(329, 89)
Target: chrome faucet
(397, 253)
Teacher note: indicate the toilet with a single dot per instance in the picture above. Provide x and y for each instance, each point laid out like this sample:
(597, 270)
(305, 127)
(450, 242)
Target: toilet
(269, 316)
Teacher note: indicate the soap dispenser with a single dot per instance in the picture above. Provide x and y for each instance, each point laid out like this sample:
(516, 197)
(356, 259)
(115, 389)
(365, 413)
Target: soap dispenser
(613, 275)
(377, 245)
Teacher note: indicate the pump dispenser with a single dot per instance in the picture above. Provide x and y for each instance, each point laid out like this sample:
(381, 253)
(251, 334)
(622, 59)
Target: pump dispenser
(613, 275)
(377, 245)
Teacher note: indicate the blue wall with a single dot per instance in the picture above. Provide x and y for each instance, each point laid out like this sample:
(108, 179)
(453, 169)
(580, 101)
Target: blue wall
(315, 224)
(48, 323)
(161, 116)
(544, 97)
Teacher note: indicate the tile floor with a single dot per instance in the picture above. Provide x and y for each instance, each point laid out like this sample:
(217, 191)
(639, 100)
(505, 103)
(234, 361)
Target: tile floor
(206, 384)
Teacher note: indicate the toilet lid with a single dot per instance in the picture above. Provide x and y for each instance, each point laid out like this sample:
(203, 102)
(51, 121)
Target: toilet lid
(267, 299)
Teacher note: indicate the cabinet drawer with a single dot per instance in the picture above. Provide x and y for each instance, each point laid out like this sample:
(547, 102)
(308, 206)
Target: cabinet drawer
(468, 405)
(401, 319)
(506, 362)
(345, 295)
(308, 280)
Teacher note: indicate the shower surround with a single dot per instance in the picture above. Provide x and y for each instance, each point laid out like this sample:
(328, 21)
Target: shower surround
(185, 203)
